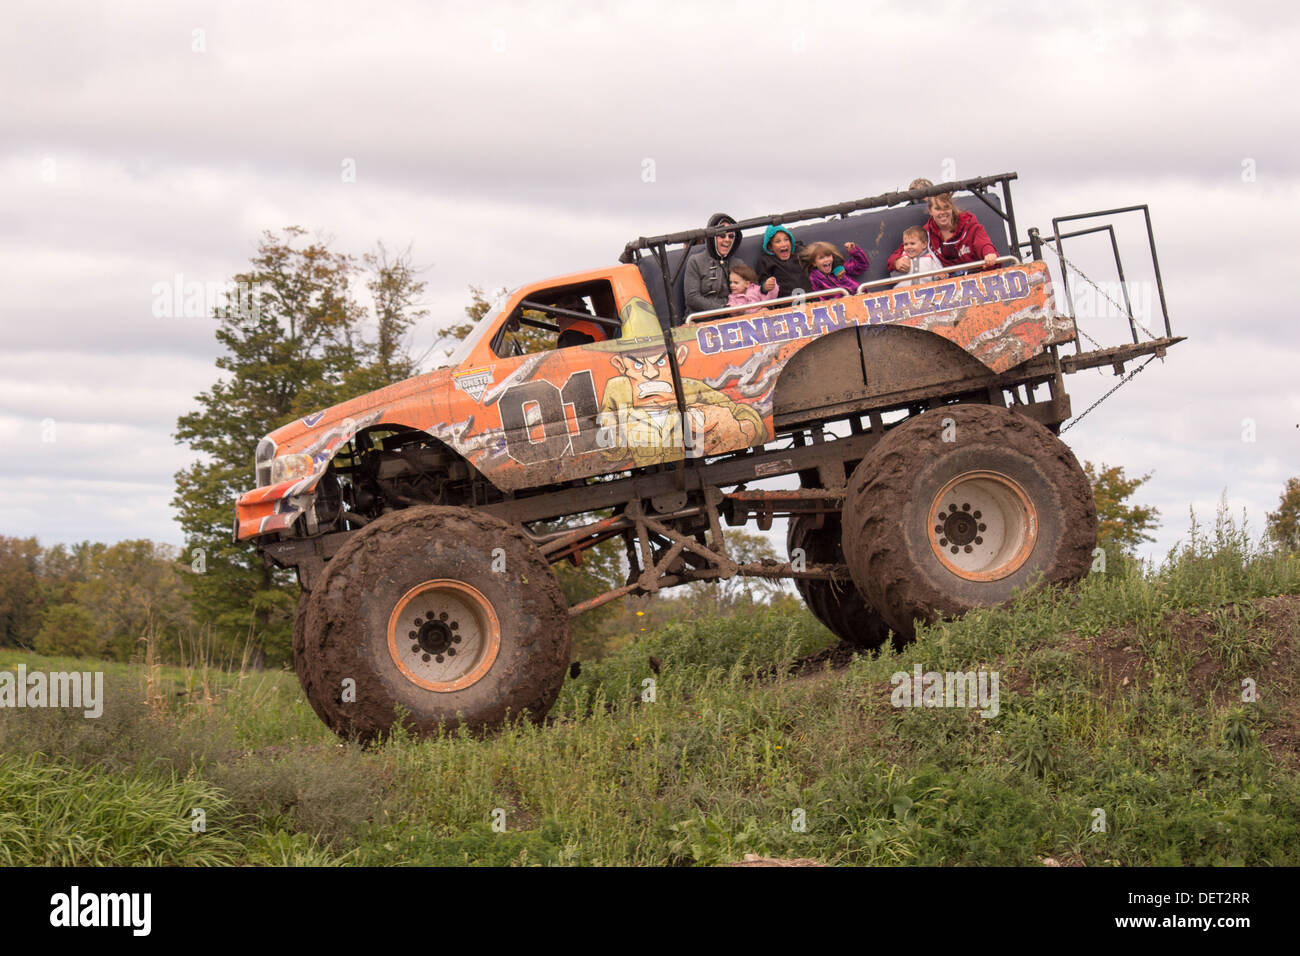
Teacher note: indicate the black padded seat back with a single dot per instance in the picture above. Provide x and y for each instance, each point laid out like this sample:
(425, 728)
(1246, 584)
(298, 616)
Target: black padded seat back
(878, 231)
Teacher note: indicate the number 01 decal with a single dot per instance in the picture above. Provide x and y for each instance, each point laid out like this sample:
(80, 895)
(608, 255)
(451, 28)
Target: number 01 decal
(525, 408)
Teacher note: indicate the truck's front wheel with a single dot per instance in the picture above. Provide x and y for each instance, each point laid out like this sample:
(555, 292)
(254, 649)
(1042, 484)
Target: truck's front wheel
(959, 507)
(451, 615)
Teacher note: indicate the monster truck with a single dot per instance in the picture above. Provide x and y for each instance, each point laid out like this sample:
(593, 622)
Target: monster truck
(920, 425)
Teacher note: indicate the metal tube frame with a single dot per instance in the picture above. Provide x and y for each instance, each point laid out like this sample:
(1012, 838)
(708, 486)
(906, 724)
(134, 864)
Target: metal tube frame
(1059, 237)
(757, 306)
(960, 267)
(1119, 267)
(657, 245)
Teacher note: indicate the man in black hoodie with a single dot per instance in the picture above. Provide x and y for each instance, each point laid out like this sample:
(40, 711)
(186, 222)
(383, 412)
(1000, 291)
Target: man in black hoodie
(708, 272)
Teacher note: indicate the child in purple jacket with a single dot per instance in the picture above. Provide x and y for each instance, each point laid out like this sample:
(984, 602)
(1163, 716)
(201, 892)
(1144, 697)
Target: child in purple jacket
(824, 272)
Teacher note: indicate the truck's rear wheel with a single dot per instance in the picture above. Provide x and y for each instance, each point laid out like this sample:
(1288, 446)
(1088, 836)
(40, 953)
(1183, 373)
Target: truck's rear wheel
(959, 507)
(449, 614)
(838, 605)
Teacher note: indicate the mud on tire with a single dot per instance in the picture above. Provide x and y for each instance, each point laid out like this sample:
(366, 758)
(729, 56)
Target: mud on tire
(451, 614)
(300, 648)
(838, 605)
(933, 528)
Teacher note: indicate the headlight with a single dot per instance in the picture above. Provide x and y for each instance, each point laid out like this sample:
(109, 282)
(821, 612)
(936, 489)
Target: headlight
(289, 467)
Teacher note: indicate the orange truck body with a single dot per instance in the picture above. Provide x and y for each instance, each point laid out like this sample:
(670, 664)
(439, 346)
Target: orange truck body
(534, 421)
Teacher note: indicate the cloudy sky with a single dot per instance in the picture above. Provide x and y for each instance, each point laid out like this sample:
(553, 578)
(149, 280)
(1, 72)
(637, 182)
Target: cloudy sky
(507, 143)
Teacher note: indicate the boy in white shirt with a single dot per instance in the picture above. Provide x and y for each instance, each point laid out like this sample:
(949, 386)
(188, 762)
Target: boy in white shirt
(916, 246)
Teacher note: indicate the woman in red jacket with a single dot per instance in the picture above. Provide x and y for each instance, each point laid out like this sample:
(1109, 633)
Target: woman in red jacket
(956, 237)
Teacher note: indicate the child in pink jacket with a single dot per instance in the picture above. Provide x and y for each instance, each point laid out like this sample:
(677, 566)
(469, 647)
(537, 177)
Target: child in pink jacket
(745, 289)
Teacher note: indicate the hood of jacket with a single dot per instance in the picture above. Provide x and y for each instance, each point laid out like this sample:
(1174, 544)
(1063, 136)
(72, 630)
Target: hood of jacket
(718, 219)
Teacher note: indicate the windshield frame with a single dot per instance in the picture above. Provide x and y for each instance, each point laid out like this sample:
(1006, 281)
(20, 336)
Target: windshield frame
(467, 345)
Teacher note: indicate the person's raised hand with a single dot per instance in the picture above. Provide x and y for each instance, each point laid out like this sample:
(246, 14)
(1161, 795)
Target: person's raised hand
(770, 284)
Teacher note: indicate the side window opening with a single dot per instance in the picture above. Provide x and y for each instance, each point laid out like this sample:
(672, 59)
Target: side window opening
(559, 317)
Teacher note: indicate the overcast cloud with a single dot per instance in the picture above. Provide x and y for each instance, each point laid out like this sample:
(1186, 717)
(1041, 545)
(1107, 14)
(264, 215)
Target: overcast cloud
(506, 143)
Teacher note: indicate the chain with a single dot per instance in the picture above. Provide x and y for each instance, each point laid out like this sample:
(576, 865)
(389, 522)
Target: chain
(1123, 381)
(1121, 309)
(1078, 329)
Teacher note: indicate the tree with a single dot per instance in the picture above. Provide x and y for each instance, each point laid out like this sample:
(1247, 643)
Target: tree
(1284, 524)
(395, 289)
(71, 629)
(64, 568)
(1121, 527)
(479, 306)
(394, 292)
(22, 596)
(134, 586)
(295, 347)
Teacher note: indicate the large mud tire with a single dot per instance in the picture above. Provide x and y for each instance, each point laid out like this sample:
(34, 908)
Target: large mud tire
(300, 638)
(300, 658)
(300, 643)
(838, 605)
(935, 527)
(398, 602)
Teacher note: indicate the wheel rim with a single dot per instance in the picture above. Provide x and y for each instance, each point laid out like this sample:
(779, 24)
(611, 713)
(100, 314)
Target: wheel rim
(982, 526)
(444, 635)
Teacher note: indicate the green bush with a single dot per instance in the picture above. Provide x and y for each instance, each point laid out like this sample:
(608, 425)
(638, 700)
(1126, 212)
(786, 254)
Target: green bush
(70, 629)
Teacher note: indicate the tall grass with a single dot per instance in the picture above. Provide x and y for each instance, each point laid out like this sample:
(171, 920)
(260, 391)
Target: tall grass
(52, 814)
(1122, 738)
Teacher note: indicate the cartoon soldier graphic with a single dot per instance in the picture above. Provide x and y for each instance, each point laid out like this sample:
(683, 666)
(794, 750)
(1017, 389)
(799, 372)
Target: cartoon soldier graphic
(638, 417)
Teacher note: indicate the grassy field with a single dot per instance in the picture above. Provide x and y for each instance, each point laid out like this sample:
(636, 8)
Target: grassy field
(1121, 739)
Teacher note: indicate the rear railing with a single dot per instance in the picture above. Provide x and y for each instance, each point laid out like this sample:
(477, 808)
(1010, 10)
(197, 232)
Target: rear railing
(945, 271)
(1035, 244)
